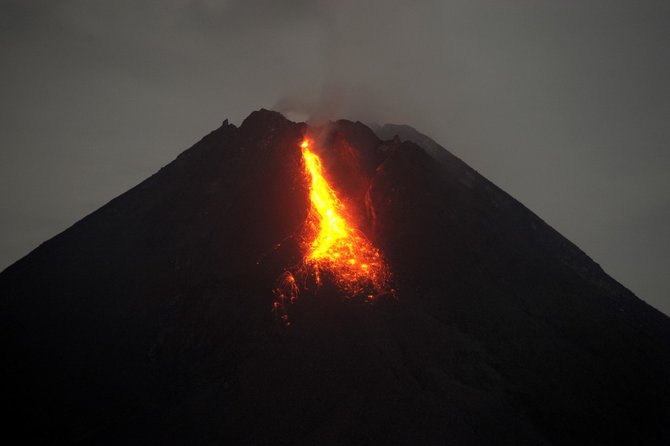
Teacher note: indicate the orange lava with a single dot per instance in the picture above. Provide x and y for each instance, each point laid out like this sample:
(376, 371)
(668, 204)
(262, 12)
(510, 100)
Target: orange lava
(332, 242)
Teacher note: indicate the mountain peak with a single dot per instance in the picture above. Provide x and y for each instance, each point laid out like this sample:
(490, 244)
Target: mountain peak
(151, 319)
(262, 117)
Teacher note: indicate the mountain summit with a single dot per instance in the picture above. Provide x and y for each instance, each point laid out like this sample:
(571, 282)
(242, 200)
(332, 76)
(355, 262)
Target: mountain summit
(151, 320)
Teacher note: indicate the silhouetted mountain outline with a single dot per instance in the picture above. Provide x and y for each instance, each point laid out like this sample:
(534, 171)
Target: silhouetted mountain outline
(149, 321)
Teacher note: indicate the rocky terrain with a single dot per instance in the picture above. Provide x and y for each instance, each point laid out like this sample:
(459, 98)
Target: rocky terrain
(150, 321)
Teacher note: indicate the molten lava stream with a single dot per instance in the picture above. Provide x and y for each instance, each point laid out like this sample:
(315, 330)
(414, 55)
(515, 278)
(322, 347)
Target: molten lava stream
(332, 243)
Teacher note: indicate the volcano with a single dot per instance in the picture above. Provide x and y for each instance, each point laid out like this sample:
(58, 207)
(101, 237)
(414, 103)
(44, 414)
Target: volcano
(153, 320)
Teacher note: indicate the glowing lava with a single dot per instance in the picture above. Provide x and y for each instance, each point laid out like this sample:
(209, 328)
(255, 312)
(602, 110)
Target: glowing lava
(332, 242)
(332, 246)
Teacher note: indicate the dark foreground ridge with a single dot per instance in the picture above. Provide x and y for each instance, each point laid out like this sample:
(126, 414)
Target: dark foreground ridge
(149, 321)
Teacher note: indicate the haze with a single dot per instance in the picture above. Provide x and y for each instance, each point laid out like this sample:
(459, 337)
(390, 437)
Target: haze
(563, 104)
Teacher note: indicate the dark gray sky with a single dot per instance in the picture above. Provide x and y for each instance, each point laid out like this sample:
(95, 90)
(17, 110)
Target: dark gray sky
(565, 104)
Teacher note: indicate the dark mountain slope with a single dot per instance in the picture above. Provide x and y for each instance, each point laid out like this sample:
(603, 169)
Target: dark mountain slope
(150, 320)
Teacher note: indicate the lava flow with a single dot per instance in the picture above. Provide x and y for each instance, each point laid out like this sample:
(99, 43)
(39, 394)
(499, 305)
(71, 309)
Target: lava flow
(332, 245)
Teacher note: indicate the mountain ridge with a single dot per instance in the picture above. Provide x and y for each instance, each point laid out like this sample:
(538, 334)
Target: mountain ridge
(150, 319)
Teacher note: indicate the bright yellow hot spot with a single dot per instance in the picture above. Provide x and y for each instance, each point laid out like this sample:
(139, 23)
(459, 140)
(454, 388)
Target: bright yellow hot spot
(333, 243)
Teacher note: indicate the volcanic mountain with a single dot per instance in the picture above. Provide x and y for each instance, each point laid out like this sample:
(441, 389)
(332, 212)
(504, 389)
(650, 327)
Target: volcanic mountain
(153, 320)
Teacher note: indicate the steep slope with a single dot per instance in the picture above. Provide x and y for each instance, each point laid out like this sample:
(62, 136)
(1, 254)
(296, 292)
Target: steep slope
(150, 320)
